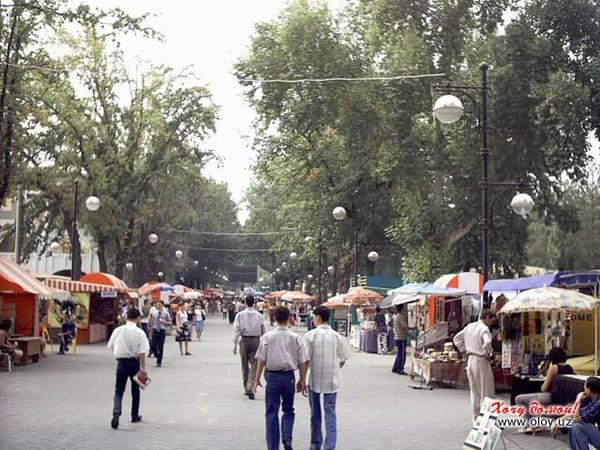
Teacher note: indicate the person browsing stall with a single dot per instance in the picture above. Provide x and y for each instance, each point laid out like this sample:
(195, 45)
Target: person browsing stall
(248, 327)
(281, 352)
(129, 346)
(328, 352)
(476, 341)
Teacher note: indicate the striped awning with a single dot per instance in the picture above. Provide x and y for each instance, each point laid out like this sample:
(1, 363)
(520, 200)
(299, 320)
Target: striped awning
(78, 286)
(15, 279)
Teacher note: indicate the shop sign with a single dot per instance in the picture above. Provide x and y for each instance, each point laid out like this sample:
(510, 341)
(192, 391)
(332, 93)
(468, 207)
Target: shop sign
(108, 294)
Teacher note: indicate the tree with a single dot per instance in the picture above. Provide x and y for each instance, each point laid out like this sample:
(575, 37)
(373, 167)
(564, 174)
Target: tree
(142, 156)
(418, 180)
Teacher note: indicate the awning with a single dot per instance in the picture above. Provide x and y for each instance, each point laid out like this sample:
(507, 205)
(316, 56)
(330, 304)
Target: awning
(77, 286)
(14, 279)
(428, 289)
(398, 299)
(521, 284)
(105, 279)
(471, 282)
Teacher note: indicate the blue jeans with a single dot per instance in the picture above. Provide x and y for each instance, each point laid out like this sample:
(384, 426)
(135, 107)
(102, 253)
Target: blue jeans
(316, 433)
(280, 390)
(583, 434)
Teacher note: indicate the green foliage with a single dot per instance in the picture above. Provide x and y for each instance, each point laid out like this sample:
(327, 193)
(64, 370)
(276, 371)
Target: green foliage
(318, 142)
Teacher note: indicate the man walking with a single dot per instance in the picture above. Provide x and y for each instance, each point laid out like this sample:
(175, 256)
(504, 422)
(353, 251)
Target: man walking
(281, 352)
(328, 353)
(476, 341)
(400, 330)
(129, 345)
(159, 318)
(248, 327)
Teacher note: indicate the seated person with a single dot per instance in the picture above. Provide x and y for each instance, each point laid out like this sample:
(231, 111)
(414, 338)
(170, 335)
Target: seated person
(558, 366)
(69, 332)
(5, 345)
(586, 418)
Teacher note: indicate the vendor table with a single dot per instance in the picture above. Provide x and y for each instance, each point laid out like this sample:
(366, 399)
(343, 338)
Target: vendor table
(368, 341)
(566, 387)
(30, 346)
(441, 372)
(523, 384)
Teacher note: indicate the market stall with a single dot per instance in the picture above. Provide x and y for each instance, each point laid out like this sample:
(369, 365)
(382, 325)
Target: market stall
(22, 298)
(156, 290)
(525, 344)
(93, 307)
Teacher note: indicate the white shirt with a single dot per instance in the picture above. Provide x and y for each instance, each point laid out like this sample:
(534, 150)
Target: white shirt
(475, 339)
(282, 349)
(128, 341)
(156, 315)
(248, 322)
(326, 350)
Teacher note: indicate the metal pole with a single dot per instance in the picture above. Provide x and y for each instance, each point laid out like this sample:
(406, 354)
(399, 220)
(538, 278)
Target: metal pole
(74, 233)
(320, 277)
(485, 224)
(141, 267)
(355, 220)
(18, 226)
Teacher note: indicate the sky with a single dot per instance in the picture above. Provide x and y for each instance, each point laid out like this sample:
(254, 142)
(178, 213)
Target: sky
(209, 37)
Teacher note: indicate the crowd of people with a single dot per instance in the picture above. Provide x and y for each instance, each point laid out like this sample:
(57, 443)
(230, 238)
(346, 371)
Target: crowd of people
(317, 358)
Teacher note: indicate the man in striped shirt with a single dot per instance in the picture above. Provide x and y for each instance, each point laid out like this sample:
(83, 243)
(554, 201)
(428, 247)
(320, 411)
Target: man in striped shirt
(328, 353)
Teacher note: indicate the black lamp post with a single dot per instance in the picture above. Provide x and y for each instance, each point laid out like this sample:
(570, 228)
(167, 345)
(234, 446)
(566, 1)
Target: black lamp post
(340, 213)
(448, 109)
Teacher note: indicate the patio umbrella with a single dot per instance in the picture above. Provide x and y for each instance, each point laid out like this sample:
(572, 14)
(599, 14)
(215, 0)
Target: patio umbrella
(192, 295)
(275, 295)
(151, 287)
(398, 298)
(549, 299)
(336, 302)
(297, 297)
(555, 299)
(360, 296)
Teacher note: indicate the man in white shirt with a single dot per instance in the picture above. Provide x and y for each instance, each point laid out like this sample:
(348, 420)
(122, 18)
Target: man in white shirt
(158, 320)
(328, 352)
(129, 345)
(476, 341)
(248, 327)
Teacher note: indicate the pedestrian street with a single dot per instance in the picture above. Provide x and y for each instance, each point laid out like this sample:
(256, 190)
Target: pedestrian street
(197, 402)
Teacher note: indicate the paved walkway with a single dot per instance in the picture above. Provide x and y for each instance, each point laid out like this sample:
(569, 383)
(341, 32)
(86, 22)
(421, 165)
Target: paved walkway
(196, 402)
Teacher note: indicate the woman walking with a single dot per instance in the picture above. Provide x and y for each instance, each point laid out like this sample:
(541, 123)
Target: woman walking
(200, 318)
(183, 335)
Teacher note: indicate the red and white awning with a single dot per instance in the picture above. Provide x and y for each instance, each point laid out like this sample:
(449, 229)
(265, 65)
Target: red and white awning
(14, 279)
(471, 282)
(77, 286)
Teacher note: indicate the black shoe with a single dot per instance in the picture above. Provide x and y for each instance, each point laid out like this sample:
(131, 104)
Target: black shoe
(246, 394)
(251, 395)
(136, 419)
(114, 423)
(188, 354)
(60, 352)
(158, 364)
(287, 446)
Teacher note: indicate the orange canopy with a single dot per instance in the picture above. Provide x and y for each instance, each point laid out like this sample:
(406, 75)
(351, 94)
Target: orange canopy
(297, 297)
(105, 279)
(360, 296)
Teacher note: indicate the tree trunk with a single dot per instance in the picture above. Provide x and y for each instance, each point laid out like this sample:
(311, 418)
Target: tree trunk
(101, 252)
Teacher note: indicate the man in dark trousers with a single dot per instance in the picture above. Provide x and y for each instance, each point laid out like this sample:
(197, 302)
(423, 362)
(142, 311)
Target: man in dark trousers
(158, 320)
(248, 327)
(129, 345)
(281, 352)
(400, 331)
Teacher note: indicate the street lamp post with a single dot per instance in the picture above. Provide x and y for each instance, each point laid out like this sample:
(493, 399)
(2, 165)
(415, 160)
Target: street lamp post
(448, 109)
(339, 213)
(92, 203)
